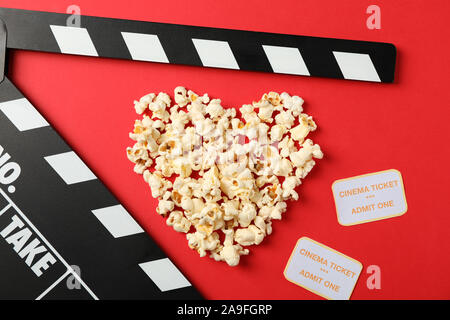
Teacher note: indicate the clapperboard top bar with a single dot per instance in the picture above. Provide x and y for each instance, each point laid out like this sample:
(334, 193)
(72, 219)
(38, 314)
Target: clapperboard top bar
(201, 46)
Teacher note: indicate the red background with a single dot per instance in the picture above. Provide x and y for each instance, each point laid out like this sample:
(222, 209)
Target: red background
(363, 128)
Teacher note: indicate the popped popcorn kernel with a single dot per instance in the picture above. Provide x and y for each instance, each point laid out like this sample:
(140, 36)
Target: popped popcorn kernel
(215, 171)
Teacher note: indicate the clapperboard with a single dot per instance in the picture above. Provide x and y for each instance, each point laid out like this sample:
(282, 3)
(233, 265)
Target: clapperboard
(63, 235)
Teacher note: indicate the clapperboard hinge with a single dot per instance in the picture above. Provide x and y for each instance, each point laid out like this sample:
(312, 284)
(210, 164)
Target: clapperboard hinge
(3, 36)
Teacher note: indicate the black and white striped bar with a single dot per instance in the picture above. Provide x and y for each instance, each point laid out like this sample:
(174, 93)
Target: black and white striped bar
(201, 46)
(59, 224)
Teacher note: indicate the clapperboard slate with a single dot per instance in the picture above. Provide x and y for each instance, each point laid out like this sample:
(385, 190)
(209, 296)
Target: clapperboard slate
(63, 235)
(55, 214)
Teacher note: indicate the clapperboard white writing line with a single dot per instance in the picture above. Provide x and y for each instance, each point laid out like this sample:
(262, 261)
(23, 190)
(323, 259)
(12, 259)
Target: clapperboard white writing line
(5, 208)
(49, 246)
(54, 284)
(201, 46)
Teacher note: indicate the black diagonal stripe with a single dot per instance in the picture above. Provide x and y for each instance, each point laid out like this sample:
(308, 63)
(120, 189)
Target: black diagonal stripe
(107, 40)
(179, 46)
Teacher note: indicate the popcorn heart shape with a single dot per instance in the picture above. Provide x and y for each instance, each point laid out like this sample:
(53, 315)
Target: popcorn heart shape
(222, 177)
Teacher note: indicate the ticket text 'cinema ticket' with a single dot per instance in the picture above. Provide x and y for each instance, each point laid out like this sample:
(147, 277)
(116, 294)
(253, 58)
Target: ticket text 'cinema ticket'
(369, 197)
(322, 270)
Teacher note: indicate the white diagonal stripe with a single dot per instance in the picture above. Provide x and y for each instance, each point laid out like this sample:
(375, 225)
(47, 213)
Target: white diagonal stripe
(117, 221)
(73, 40)
(70, 167)
(22, 114)
(356, 66)
(165, 274)
(145, 47)
(214, 53)
(286, 60)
